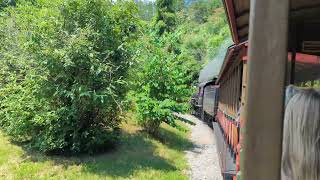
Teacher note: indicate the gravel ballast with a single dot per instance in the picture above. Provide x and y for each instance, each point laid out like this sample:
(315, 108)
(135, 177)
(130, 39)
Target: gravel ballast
(203, 158)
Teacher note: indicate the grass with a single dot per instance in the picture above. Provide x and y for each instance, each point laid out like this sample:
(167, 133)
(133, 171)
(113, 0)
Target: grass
(138, 156)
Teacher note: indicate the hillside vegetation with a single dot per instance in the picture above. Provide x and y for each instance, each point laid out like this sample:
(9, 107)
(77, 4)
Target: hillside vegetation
(71, 71)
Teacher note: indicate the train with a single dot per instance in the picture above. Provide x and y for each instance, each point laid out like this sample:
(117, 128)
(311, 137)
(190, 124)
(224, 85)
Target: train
(241, 92)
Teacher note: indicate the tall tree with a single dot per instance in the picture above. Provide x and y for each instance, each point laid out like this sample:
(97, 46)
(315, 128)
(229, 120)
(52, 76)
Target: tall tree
(202, 9)
(146, 9)
(165, 19)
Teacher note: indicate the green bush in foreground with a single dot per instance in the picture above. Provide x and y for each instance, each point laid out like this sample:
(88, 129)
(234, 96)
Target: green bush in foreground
(65, 65)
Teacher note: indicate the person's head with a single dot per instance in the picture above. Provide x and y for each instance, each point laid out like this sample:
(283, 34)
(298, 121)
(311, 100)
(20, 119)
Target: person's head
(301, 136)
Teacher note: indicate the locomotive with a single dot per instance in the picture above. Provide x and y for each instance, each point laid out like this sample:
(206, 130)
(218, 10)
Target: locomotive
(206, 99)
(241, 93)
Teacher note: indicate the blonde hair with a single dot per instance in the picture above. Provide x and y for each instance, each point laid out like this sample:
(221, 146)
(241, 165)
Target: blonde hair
(301, 137)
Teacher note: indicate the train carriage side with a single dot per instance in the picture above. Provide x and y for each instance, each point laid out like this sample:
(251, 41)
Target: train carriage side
(210, 103)
(283, 48)
(208, 88)
(231, 81)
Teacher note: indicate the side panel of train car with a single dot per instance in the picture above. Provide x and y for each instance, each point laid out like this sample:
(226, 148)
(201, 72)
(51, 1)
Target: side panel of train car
(302, 66)
(233, 84)
(210, 103)
(208, 90)
(232, 81)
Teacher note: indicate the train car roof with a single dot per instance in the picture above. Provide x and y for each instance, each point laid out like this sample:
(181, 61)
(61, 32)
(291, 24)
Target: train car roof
(307, 66)
(234, 54)
(212, 69)
(304, 16)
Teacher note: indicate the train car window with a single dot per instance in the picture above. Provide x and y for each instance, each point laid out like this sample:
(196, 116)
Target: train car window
(304, 55)
(199, 91)
(307, 70)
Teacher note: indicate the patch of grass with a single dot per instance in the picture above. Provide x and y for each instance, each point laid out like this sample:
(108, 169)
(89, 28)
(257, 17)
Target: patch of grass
(138, 156)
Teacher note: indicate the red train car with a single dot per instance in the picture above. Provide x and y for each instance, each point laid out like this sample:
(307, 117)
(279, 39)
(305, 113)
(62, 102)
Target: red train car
(281, 47)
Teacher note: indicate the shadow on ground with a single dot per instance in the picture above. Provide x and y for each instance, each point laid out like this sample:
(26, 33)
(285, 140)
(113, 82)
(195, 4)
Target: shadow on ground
(174, 141)
(136, 151)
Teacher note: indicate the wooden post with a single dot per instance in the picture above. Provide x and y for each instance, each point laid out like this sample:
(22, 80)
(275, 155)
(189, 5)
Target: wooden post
(263, 112)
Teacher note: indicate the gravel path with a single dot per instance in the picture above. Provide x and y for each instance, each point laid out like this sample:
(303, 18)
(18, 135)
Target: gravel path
(203, 158)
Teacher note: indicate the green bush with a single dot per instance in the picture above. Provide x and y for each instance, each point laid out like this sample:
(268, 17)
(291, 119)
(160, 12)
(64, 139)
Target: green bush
(63, 87)
(163, 82)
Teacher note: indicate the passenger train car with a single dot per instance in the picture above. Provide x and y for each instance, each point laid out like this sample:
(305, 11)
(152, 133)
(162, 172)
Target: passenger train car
(206, 100)
(244, 101)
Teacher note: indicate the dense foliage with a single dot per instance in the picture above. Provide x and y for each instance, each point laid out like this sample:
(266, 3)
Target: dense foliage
(206, 28)
(146, 10)
(163, 82)
(165, 18)
(202, 23)
(66, 66)
(5, 3)
(182, 38)
(64, 71)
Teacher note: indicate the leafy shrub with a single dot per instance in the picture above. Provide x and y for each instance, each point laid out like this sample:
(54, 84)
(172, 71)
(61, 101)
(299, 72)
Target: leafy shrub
(79, 54)
(162, 83)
